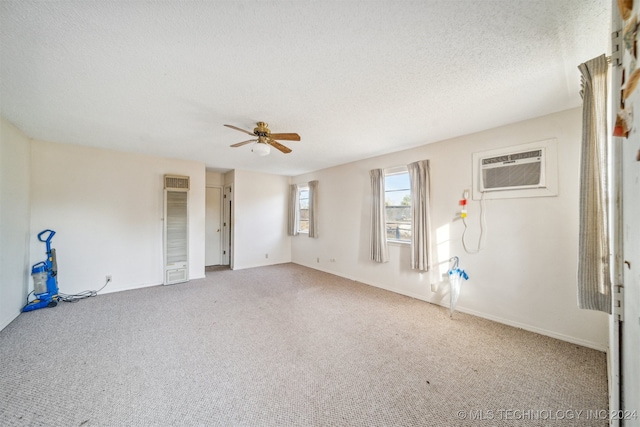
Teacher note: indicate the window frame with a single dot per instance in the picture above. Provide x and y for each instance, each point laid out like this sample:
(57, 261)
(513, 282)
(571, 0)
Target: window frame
(398, 170)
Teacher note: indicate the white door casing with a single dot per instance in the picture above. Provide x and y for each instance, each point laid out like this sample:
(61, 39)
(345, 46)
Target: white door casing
(213, 226)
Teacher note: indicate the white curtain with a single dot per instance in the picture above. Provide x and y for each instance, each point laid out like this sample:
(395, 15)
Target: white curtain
(379, 250)
(420, 215)
(313, 209)
(293, 211)
(594, 282)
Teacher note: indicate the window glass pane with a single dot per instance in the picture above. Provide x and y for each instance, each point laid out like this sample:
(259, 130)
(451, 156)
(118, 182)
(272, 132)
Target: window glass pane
(398, 181)
(397, 198)
(303, 209)
(398, 230)
(398, 206)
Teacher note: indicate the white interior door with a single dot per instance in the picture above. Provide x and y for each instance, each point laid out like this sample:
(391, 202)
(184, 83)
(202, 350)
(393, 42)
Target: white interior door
(631, 254)
(227, 229)
(213, 226)
(628, 160)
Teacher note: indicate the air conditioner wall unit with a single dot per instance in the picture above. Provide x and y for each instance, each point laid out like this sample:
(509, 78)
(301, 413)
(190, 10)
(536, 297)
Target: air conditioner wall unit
(176, 182)
(519, 170)
(526, 170)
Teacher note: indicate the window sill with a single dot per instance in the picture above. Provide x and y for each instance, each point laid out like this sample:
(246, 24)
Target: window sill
(398, 243)
(303, 232)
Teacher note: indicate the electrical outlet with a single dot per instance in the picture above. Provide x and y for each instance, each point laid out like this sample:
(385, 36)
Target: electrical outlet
(465, 193)
(108, 278)
(434, 287)
(332, 260)
(266, 256)
(318, 259)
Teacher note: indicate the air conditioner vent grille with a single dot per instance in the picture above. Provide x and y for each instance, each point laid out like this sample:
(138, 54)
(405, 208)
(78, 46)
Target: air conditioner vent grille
(514, 170)
(520, 175)
(525, 170)
(176, 276)
(512, 157)
(174, 182)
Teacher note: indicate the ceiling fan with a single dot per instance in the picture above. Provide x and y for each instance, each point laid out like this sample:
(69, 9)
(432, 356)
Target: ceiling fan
(264, 139)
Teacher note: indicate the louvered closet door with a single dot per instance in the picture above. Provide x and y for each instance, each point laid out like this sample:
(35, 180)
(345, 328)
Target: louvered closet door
(176, 237)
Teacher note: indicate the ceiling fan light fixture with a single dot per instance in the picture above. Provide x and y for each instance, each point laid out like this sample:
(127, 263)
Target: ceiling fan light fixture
(261, 149)
(265, 139)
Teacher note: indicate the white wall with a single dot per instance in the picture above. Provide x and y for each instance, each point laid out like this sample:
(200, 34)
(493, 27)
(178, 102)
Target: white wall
(106, 208)
(260, 219)
(14, 221)
(214, 179)
(526, 275)
(229, 177)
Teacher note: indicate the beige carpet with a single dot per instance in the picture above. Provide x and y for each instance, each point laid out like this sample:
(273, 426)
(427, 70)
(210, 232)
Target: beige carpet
(286, 346)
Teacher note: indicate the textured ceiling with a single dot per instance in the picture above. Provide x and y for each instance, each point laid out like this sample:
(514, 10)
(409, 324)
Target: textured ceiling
(354, 78)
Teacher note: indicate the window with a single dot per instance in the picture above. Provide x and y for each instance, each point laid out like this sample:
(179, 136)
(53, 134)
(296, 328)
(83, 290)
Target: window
(303, 206)
(397, 202)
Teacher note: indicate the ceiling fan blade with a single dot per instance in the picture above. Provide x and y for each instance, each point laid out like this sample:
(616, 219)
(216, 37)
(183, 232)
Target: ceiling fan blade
(241, 130)
(286, 136)
(240, 144)
(279, 146)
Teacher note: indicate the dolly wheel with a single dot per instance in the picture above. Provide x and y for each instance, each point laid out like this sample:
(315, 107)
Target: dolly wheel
(52, 304)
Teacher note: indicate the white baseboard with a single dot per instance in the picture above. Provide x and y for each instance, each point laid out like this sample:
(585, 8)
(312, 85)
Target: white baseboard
(106, 290)
(4, 322)
(541, 331)
(244, 267)
(561, 337)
